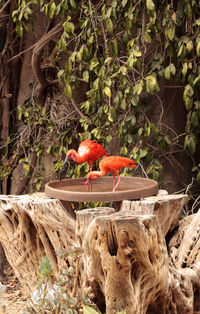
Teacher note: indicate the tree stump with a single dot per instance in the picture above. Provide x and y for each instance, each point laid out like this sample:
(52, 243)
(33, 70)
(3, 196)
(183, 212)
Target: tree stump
(31, 227)
(128, 262)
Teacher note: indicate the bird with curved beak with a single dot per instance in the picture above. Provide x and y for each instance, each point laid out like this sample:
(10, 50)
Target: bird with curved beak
(88, 151)
(110, 164)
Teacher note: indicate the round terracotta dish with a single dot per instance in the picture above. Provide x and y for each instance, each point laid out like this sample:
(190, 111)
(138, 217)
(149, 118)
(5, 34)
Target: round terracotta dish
(129, 188)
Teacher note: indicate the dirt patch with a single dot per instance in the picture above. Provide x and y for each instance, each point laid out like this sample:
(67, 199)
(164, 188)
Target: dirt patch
(14, 300)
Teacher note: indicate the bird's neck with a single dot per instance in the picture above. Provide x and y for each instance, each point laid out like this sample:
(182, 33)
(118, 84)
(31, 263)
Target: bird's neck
(74, 156)
(96, 174)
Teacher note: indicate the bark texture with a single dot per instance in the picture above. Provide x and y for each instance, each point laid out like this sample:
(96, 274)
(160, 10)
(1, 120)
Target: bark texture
(31, 227)
(131, 259)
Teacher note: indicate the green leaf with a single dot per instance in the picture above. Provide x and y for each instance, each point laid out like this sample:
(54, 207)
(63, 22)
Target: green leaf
(52, 10)
(124, 2)
(189, 45)
(130, 139)
(68, 91)
(69, 27)
(109, 25)
(170, 31)
(196, 80)
(108, 60)
(96, 84)
(188, 102)
(88, 310)
(108, 138)
(60, 73)
(151, 83)
(68, 67)
(189, 90)
(102, 72)
(140, 131)
(189, 12)
(123, 70)
(123, 104)
(147, 37)
(108, 13)
(19, 30)
(115, 47)
(150, 5)
(190, 145)
(26, 167)
(48, 150)
(136, 51)
(133, 121)
(107, 91)
(172, 68)
(185, 68)
(137, 89)
(114, 3)
(93, 64)
(143, 153)
(86, 76)
(167, 73)
(198, 49)
(62, 44)
(73, 4)
(194, 119)
(197, 22)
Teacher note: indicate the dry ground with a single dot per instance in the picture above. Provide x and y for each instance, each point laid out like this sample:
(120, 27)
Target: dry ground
(14, 300)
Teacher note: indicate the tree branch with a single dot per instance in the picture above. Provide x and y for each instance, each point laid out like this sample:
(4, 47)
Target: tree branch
(4, 6)
(37, 51)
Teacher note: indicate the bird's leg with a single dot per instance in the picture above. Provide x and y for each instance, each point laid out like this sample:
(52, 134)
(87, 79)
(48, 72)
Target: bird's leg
(90, 185)
(88, 182)
(91, 163)
(113, 174)
(116, 185)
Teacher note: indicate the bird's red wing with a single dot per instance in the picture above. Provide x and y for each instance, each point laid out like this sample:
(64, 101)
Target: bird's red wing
(114, 163)
(93, 150)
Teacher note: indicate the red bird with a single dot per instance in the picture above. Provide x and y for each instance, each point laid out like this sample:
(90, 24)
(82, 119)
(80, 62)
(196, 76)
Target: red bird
(88, 151)
(110, 164)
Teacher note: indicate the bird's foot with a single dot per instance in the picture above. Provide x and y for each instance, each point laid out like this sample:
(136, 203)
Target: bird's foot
(87, 184)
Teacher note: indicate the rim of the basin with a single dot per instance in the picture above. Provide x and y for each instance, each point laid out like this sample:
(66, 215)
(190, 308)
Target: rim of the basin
(149, 189)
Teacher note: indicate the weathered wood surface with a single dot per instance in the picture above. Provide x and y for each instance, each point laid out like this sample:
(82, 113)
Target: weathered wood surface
(126, 262)
(31, 227)
(125, 256)
(166, 207)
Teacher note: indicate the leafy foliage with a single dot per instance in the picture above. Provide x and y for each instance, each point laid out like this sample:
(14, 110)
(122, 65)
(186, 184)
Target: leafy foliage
(121, 51)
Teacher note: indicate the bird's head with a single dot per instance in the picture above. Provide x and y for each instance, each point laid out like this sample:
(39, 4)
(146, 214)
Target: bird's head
(131, 164)
(71, 154)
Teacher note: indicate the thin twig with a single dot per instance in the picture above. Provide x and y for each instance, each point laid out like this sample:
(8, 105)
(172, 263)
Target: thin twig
(22, 52)
(4, 6)
(77, 109)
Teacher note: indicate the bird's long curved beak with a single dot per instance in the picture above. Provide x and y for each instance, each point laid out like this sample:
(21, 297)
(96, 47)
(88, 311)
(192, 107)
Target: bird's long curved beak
(63, 167)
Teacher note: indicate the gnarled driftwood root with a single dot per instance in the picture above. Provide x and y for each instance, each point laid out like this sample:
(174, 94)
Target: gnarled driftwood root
(30, 227)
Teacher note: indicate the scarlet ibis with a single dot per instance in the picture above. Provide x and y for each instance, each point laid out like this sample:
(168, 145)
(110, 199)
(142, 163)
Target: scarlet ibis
(88, 151)
(110, 164)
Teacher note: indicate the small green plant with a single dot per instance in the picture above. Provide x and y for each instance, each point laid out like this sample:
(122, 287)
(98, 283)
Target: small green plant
(60, 295)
